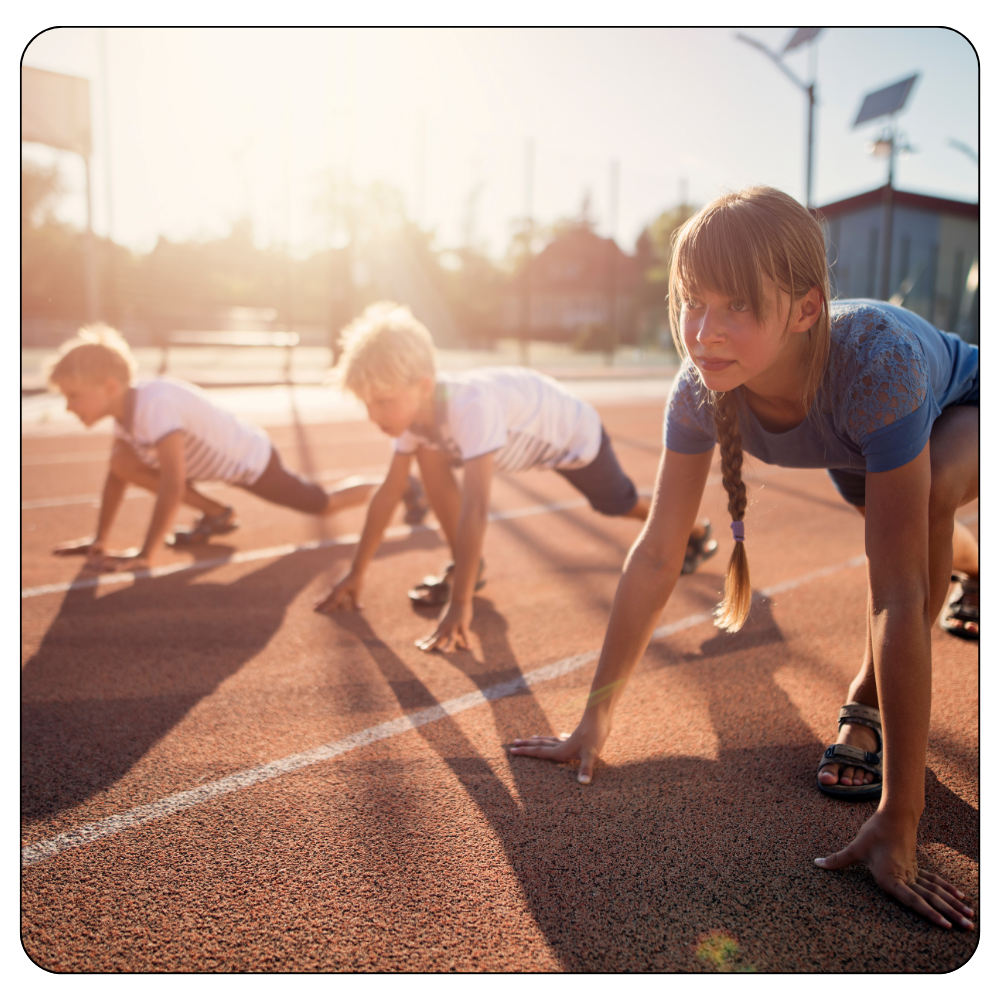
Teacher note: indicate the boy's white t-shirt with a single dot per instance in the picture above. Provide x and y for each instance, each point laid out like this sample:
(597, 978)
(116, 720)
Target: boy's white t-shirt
(217, 445)
(528, 419)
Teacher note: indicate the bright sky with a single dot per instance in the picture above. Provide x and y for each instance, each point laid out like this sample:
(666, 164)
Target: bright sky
(209, 124)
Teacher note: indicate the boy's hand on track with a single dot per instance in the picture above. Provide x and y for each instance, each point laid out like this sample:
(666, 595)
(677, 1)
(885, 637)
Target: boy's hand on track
(129, 561)
(345, 596)
(79, 547)
(452, 632)
(583, 744)
(889, 850)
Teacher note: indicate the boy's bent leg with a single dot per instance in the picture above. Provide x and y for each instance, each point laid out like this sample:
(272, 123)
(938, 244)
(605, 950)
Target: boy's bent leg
(351, 492)
(127, 465)
(278, 485)
(442, 491)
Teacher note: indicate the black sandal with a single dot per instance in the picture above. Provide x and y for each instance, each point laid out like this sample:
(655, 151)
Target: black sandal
(961, 610)
(844, 753)
(699, 549)
(217, 524)
(435, 591)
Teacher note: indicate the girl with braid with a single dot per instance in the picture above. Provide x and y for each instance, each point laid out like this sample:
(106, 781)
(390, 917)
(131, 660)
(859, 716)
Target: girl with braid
(889, 405)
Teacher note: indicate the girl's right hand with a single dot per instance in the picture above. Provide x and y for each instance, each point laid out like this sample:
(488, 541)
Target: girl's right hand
(346, 595)
(584, 744)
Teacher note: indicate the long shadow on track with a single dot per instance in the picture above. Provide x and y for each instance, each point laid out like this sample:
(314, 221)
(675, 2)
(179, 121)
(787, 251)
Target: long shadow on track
(86, 719)
(631, 873)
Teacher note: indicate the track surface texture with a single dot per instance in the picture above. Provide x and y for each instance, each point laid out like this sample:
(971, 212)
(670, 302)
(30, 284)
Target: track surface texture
(430, 848)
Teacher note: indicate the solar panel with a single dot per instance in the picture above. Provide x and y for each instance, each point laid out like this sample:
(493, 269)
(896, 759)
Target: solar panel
(886, 101)
(800, 37)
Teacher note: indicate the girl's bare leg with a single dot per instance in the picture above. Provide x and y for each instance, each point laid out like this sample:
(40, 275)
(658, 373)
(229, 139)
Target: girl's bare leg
(954, 482)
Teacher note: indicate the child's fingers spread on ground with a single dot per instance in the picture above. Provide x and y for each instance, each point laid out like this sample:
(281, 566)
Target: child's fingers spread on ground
(929, 878)
(949, 907)
(915, 902)
(939, 887)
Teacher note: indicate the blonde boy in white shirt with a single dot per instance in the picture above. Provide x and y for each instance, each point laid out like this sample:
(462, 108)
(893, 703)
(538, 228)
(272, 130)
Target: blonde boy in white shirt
(483, 420)
(168, 437)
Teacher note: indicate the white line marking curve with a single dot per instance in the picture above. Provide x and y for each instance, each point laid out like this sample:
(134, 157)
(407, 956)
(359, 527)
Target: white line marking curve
(31, 854)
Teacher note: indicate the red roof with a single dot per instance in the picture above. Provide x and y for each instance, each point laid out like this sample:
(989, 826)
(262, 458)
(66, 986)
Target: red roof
(579, 258)
(908, 199)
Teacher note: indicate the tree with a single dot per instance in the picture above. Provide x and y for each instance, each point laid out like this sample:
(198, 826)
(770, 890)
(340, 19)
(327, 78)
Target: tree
(654, 252)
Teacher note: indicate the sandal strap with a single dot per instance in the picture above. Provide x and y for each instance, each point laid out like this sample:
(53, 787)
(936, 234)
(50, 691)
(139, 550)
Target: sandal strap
(963, 612)
(842, 753)
(863, 715)
(866, 715)
(969, 584)
(961, 609)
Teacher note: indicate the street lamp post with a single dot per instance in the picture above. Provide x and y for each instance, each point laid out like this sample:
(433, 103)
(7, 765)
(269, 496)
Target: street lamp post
(801, 36)
(887, 103)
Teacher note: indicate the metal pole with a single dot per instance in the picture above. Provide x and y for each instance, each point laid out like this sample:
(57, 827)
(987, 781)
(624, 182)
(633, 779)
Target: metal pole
(811, 91)
(107, 130)
(90, 257)
(884, 285)
(529, 184)
(612, 263)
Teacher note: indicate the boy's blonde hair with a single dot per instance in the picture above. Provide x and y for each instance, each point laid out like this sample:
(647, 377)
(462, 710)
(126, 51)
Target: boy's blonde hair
(96, 353)
(726, 248)
(384, 348)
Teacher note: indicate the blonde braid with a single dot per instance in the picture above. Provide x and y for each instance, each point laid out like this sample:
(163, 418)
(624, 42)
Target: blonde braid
(735, 606)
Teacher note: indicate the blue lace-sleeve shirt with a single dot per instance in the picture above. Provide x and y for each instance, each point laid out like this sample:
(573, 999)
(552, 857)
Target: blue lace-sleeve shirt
(889, 376)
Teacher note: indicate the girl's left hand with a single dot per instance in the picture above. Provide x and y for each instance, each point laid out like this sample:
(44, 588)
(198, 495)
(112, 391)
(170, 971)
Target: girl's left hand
(889, 849)
(452, 630)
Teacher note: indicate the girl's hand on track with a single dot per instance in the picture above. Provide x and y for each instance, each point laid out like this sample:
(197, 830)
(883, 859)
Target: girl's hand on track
(584, 744)
(346, 595)
(889, 850)
(452, 632)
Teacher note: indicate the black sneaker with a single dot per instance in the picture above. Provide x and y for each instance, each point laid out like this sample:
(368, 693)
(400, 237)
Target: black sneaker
(218, 524)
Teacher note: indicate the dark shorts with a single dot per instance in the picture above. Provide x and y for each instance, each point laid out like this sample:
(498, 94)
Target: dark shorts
(850, 483)
(287, 489)
(603, 482)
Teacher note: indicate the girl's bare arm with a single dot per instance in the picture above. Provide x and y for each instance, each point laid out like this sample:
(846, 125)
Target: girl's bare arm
(651, 572)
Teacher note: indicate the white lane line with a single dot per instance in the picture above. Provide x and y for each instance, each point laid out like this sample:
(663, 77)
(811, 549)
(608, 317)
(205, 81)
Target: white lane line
(66, 457)
(274, 552)
(33, 853)
(329, 475)
(277, 551)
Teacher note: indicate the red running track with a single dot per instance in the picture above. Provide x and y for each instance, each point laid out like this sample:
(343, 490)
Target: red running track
(420, 845)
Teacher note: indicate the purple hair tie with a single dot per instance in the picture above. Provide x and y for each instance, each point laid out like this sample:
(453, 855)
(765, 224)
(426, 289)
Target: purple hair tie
(737, 527)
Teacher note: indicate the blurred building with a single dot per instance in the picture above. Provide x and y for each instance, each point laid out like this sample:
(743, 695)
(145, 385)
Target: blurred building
(934, 263)
(581, 288)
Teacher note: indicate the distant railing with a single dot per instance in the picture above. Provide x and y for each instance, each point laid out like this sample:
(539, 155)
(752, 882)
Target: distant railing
(230, 338)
